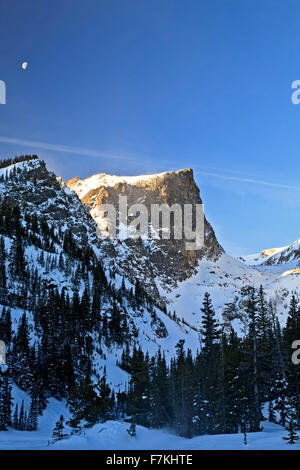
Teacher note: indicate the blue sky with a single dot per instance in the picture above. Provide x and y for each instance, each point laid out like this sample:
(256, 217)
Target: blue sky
(141, 86)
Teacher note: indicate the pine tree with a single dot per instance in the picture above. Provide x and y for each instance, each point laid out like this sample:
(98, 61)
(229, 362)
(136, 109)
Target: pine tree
(5, 400)
(139, 392)
(293, 320)
(251, 311)
(16, 417)
(132, 429)
(32, 422)
(210, 326)
(21, 425)
(21, 354)
(17, 262)
(271, 414)
(280, 391)
(266, 347)
(58, 432)
(8, 400)
(292, 437)
(210, 366)
(115, 324)
(263, 319)
(3, 277)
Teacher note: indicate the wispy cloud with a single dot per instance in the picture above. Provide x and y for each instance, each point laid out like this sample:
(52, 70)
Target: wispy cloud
(100, 154)
(249, 180)
(62, 148)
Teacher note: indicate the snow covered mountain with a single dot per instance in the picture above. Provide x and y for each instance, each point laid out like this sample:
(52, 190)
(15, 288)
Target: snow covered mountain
(158, 263)
(285, 255)
(108, 325)
(175, 276)
(39, 194)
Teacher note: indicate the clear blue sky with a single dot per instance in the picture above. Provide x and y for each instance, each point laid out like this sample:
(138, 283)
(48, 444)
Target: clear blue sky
(141, 86)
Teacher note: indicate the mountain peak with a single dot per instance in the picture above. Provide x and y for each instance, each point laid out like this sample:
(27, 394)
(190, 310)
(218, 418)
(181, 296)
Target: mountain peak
(83, 186)
(275, 256)
(167, 260)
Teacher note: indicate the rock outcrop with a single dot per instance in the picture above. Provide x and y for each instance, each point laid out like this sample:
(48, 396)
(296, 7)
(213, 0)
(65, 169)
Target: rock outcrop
(166, 260)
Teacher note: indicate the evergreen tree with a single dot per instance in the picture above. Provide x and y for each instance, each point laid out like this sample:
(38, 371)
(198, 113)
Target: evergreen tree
(292, 437)
(58, 432)
(16, 417)
(132, 429)
(210, 332)
(280, 390)
(21, 421)
(32, 422)
(139, 393)
(5, 401)
(3, 277)
(271, 414)
(251, 311)
(210, 365)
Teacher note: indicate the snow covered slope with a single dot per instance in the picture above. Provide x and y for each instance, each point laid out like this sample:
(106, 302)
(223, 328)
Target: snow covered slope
(260, 258)
(289, 254)
(112, 435)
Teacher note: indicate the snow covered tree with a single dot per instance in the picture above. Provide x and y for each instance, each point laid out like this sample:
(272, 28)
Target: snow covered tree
(58, 432)
(3, 276)
(291, 423)
(21, 357)
(22, 421)
(6, 326)
(210, 332)
(16, 417)
(5, 401)
(17, 262)
(210, 365)
(132, 429)
(32, 421)
(280, 390)
(251, 311)
(139, 404)
(271, 413)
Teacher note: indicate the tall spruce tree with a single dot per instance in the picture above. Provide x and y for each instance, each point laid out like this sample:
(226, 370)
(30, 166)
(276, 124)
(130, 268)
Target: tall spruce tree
(251, 311)
(292, 437)
(58, 432)
(211, 364)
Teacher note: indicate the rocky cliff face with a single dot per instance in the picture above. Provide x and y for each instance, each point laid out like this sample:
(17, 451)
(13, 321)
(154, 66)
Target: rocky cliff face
(166, 260)
(37, 190)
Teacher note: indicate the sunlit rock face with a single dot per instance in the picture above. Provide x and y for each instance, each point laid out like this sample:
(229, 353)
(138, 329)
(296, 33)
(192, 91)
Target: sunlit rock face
(163, 259)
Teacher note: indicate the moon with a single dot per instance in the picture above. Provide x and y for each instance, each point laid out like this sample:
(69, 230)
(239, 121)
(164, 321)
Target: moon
(24, 65)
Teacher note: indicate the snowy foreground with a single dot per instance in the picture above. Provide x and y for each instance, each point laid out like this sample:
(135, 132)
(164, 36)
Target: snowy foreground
(112, 435)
